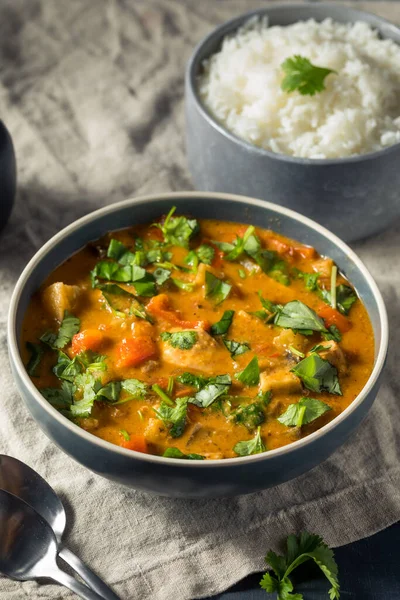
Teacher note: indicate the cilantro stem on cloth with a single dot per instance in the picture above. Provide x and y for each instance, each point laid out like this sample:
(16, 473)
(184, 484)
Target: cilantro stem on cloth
(300, 549)
(301, 75)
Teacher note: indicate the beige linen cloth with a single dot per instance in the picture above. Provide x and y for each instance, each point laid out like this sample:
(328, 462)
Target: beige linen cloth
(92, 92)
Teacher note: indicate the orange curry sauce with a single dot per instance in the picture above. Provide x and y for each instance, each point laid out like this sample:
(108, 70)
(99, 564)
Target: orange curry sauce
(128, 347)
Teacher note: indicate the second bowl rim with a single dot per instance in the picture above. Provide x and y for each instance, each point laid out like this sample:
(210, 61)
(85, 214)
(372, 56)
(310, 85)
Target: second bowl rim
(17, 364)
(190, 79)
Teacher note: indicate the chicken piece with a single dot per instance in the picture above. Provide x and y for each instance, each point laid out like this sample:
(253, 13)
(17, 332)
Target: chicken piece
(323, 266)
(280, 382)
(204, 355)
(335, 355)
(248, 328)
(59, 297)
(287, 338)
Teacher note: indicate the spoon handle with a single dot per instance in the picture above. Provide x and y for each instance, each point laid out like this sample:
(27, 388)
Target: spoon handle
(87, 575)
(69, 582)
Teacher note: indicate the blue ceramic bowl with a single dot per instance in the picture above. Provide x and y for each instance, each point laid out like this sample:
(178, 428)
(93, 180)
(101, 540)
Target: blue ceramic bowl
(353, 197)
(178, 477)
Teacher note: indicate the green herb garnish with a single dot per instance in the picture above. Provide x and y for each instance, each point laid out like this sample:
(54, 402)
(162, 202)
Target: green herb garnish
(318, 375)
(298, 316)
(214, 388)
(176, 453)
(184, 340)
(222, 326)
(195, 381)
(303, 412)
(37, 352)
(251, 374)
(69, 327)
(299, 550)
(303, 76)
(216, 289)
(254, 446)
(250, 415)
(236, 348)
(173, 417)
(178, 231)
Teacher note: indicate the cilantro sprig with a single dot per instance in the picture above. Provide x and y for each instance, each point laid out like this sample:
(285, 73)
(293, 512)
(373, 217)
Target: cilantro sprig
(69, 327)
(302, 76)
(178, 231)
(300, 549)
(303, 412)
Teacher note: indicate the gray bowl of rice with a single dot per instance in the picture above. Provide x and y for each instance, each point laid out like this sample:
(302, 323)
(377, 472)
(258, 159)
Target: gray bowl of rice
(300, 105)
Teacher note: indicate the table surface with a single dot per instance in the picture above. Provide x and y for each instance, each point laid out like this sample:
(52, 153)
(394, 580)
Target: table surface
(368, 570)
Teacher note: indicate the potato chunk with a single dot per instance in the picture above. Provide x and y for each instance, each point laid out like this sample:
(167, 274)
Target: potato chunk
(59, 297)
(280, 382)
(334, 354)
(287, 338)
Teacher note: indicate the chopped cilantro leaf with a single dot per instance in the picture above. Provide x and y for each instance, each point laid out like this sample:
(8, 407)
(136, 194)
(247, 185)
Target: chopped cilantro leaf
(176, 453)
(37, 352)
(69, 327)
(310, 279)
(251, 374)
(214, 388)
(174, 417)
(61, 398)
(120, 253)
(236, 348)
(183, 285)
(195, 381)
(221, 327)
(318, 375)
(298, 316)
(254, 446)
(185, 340)
(216, 289)
(178, 231)
(308, 408)
(333, 333)
(250, 415)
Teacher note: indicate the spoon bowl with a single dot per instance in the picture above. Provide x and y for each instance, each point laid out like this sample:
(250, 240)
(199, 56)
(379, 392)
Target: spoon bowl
(22, 481)
(28, 547)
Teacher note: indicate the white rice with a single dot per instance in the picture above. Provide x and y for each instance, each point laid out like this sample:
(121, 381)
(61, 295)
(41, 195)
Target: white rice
(359, 111)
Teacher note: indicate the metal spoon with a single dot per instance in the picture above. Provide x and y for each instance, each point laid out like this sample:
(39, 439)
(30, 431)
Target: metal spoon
(22, 481)
(28, 547)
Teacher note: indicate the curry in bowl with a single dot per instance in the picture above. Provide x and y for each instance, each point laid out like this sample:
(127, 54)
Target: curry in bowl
(198, 339)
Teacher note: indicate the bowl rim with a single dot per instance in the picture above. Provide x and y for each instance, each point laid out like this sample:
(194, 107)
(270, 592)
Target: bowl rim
(226, 28)
(17, 363)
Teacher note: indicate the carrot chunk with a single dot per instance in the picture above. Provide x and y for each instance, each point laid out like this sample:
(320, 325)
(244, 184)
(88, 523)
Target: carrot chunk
(88, 339)
(133, 351)
(331, 316)
(136, 442)
(160, 308)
